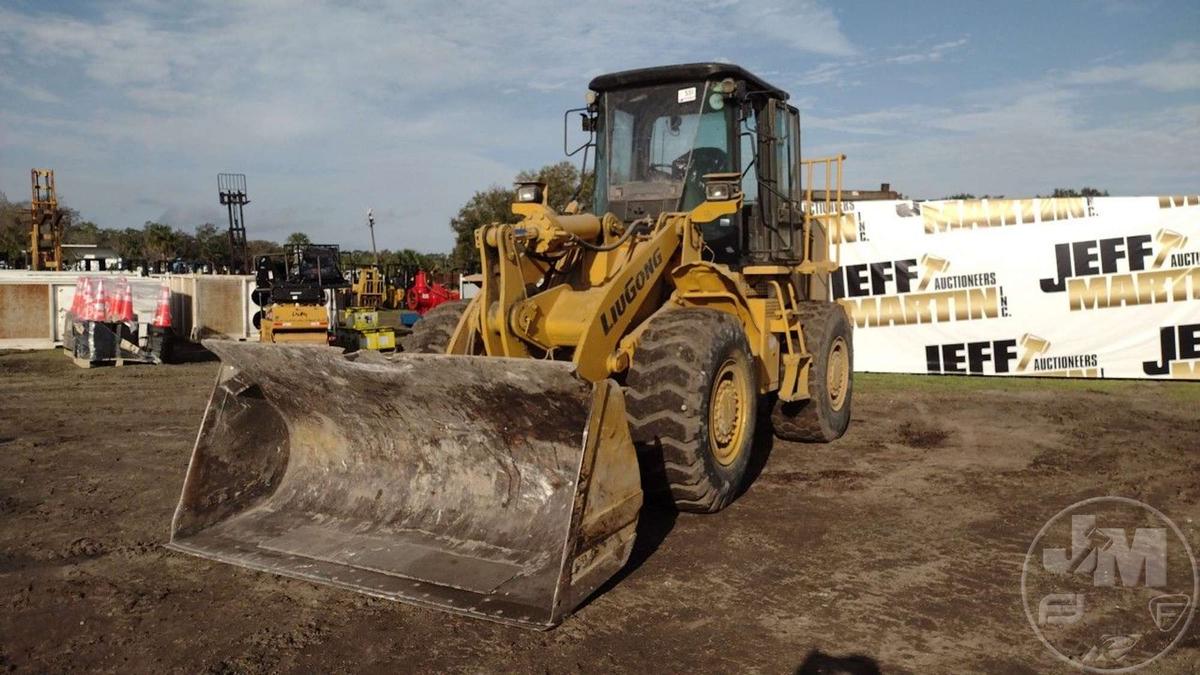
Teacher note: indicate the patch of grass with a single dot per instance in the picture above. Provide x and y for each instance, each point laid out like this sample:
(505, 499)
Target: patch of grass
(1181, 391)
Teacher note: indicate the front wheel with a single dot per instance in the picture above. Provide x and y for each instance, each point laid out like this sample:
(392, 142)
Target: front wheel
(692, 396)
(826, 414)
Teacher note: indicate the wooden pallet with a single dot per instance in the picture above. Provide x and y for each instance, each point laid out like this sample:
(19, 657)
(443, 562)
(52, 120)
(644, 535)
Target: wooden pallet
(118, 362)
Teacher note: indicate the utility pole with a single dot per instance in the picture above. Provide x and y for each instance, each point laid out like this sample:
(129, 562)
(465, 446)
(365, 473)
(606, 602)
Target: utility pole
(371, 224)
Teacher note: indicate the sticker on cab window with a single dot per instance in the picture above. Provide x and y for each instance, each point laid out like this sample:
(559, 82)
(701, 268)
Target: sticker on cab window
(687, 95)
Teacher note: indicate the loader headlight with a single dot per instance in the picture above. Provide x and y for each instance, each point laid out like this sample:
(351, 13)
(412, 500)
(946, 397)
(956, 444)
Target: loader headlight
(716, 192)
(530, 193)
(719, 192)
(722, 187)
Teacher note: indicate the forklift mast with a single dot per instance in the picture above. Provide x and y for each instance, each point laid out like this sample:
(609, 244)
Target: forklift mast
(232, 190)
(45, 226)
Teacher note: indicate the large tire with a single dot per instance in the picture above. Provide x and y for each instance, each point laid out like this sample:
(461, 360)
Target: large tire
(431, 335)
(826, 414)
(691, 395)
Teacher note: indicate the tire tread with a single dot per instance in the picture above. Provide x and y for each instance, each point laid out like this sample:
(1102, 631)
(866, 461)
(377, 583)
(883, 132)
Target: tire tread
(666, 401)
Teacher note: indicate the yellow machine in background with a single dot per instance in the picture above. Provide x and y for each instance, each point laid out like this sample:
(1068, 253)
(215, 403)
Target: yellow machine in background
(609, 354)
(46, 222)
(305, 323)
(394, 292)
(359, 324)
(359, 328)
(295, 290)
(367, 288)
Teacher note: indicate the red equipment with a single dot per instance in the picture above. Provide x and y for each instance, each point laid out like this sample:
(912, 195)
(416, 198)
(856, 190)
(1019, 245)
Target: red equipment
(423, 296)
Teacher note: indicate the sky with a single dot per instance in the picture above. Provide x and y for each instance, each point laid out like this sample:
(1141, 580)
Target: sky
(408, 108)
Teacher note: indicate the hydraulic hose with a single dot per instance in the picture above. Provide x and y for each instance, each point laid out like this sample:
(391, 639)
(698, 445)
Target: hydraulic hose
(634, 228)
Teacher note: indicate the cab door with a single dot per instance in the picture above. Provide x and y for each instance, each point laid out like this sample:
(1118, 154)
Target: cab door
(775, 237)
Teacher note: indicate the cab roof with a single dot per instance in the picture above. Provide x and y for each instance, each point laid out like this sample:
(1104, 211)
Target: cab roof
(684, 72)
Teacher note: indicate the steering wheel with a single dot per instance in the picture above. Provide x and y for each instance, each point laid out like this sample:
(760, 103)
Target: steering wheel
(667, 171)
(704, 160)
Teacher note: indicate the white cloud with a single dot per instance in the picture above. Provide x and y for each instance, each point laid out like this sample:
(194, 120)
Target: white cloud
(891, 121)
(29, 90)
(934, 53)
(1179, 71)
(1046, 111)
(1025, 137)
(1031, 142)
(409, 108)
(847, 71)
(829, 72)
(304, 96)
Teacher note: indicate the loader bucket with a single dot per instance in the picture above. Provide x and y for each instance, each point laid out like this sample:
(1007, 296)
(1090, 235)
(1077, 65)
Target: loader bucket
(500, 488)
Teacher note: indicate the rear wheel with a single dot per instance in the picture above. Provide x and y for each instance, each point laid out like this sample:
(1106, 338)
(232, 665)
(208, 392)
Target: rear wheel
(692, 396)
(431, 335)
(826, 414)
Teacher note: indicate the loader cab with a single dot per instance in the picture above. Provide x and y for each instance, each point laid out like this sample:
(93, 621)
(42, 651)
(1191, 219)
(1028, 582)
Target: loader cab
(659, 131)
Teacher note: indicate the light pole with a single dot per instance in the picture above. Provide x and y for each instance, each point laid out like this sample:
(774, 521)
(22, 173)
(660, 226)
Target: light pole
(371, 224)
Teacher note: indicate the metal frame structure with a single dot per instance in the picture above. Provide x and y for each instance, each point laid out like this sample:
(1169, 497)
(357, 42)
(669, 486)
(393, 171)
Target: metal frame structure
(232, 190)
(46, 226)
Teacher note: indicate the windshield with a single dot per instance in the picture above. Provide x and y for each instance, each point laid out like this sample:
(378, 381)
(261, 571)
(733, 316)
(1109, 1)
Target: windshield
(658, 142)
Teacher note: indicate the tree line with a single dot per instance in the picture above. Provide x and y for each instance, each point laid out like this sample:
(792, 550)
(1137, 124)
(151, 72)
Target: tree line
(205, 243)
(1058, 192)
(209, 243)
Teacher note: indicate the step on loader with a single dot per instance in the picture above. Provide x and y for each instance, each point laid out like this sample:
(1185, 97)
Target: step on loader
(617, 351)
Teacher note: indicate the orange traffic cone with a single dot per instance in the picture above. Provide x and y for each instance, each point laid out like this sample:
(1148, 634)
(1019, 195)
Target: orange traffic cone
(98, 307)
(122, 308)
(89, 299)
(162, 313)
(79, 306)
(77, 302)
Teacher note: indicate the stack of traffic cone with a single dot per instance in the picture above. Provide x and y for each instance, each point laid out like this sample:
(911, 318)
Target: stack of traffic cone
(122, 303)
(97, 309)
(162, 313)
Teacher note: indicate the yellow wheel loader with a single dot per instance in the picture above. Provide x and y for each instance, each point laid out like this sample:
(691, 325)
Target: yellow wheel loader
(497, 467)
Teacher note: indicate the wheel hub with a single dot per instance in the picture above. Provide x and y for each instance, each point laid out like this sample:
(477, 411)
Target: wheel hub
(837, 373)
(727, 413)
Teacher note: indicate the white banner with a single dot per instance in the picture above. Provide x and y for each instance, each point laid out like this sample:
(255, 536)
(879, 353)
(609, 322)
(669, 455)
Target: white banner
(1067, 287)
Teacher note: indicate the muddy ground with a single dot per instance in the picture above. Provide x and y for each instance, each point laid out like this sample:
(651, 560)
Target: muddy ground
(899, 546)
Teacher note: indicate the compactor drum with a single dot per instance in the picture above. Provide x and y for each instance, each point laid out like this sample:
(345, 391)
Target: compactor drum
(497, 467)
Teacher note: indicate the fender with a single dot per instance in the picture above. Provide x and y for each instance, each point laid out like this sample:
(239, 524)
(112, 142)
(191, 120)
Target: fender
(705, 284)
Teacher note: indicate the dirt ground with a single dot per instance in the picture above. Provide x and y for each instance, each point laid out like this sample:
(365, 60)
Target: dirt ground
(898, 547)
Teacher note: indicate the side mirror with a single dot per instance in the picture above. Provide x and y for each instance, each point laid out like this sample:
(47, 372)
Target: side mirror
(588, 126)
